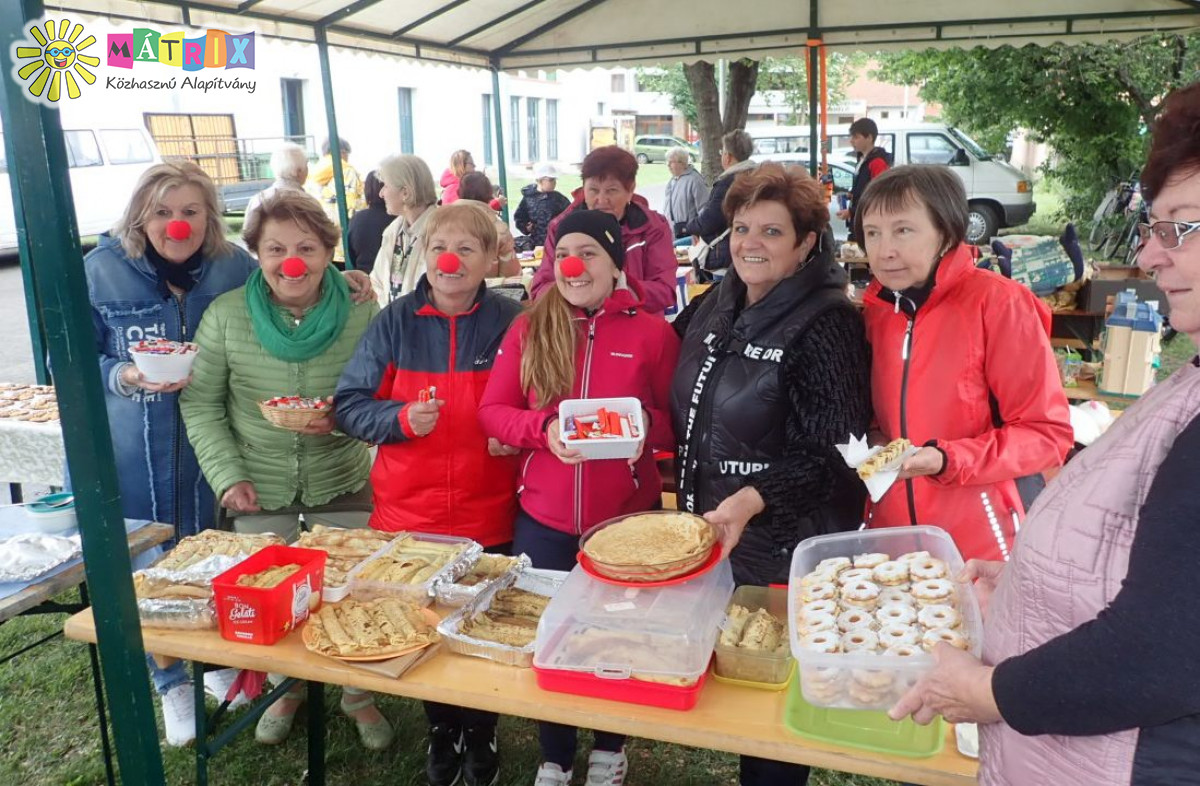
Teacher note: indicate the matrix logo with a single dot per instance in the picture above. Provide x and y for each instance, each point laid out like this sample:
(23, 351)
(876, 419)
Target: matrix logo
(214, 49)
(56, 58)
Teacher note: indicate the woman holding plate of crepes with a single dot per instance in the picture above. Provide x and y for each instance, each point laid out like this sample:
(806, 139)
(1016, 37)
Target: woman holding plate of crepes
(961, 367)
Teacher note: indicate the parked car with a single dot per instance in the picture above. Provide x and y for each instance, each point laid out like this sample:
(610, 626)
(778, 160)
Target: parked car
(783, 144)
(648, 149)
(999, 194)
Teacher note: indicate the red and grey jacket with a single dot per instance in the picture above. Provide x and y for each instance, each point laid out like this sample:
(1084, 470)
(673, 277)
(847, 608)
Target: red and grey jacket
(975, 354)
(446, 482)
(620, 351)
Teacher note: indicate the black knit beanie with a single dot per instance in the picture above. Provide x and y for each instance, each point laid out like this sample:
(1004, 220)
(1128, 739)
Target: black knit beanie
(601, 227)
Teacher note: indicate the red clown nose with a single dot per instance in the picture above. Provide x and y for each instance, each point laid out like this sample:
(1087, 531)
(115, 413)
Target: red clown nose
(179, 230)
(571, 267)
(448, 262)
(294, 267)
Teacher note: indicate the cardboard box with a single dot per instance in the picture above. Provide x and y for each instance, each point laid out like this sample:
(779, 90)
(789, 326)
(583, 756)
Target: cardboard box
(1095, 292)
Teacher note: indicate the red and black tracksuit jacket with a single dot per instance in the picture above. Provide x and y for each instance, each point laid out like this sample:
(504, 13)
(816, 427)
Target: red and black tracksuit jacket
(446, 482)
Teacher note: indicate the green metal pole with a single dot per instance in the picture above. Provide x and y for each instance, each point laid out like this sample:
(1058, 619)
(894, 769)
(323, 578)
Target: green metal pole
(498, 122)
(335, 147)
(814, 71)
(39, 173)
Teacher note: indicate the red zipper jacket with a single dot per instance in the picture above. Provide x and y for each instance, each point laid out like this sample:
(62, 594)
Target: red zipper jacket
(446, 482)
(979, 340)
(649, 253)
(621, 351)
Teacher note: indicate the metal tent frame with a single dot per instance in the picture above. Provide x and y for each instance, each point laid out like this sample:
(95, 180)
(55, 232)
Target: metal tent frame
(498, 35)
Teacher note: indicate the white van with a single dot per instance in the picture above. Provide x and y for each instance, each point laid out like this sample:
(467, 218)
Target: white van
(999, 194)
(105, 166)
(784, 144)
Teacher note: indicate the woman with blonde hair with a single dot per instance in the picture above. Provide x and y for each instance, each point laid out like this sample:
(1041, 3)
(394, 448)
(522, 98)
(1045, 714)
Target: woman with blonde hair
(153, 277)
(409, 194)
(586, 337)
(461, 164)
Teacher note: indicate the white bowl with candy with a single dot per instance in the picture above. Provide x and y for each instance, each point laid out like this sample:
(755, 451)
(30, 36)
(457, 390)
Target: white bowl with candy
(163, 361)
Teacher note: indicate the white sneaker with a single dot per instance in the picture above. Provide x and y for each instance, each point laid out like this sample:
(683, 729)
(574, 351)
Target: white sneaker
(179, 714)
(606, 768)
(552, 775)
(217, 684)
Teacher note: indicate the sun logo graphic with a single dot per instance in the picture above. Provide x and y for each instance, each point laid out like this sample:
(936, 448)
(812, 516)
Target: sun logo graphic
(54, 62)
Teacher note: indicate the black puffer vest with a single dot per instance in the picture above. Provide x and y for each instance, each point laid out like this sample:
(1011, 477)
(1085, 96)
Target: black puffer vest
(727, 400)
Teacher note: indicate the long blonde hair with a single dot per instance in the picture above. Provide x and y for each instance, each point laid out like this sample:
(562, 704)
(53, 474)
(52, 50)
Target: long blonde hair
(153, 185)
(548, 353)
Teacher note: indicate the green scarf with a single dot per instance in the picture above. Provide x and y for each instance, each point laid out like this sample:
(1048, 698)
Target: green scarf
(316, 332)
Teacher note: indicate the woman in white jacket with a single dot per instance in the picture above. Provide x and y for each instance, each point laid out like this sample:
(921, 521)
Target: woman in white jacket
(409, 194)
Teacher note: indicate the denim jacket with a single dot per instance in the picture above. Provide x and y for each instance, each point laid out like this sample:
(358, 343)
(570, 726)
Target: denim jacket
(160, 477)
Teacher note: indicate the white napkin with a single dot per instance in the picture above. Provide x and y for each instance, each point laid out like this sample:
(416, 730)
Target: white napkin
(856, 451)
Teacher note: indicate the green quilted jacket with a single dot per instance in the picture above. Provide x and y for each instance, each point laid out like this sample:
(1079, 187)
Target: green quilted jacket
(233, 442)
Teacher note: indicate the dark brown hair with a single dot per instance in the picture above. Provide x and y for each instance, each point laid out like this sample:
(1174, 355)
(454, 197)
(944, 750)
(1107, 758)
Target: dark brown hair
(933, 187)
(864, 126)
(372, 186)
(290, 205)
(475, 185)
(610, 161)
(1175, 151)
(771, 182)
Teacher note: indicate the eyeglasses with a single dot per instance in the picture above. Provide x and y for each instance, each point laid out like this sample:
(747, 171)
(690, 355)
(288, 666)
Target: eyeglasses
(1170, 234)
(56, 52)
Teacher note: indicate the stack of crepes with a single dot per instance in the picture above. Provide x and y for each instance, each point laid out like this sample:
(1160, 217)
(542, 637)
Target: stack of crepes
(346, 548)
(650, 546)
(368, 629)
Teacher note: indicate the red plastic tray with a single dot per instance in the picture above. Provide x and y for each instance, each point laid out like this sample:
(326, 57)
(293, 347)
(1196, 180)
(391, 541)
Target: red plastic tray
(630, 691)
(256, 615)
(713, 558)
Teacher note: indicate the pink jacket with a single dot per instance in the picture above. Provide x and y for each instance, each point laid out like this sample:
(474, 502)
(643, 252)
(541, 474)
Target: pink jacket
(449, 184)
(649, 253)
(1071, 558)
(621, 351)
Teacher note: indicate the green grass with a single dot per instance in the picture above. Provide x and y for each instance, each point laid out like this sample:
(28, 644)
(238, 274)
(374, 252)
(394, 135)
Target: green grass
(1049, 218)
(1175, 353)
(48, 735)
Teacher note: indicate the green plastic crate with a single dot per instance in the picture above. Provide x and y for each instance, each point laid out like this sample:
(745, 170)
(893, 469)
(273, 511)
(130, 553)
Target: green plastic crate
(867, 729)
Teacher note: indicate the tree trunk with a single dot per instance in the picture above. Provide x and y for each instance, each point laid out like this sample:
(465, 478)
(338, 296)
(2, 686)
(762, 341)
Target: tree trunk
(701, 77)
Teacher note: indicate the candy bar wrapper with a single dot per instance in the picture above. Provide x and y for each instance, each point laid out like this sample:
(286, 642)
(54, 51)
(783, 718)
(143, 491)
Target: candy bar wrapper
(857, 451)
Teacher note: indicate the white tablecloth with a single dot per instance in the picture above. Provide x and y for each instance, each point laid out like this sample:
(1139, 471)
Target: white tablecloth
(31, 453)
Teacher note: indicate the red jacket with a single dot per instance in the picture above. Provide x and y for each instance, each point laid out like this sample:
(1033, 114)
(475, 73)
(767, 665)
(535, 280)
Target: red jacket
(979, 338)
(649, 253)
(622, 351)
(445, 482)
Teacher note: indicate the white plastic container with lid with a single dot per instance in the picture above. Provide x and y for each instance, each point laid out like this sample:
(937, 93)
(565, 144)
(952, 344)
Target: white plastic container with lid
(866, 680)
(605, 447)
(420, 593)
(655, 634)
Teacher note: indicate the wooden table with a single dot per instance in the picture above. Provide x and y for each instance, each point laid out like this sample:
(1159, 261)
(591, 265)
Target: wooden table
(727, 718)
(37, 594)
(1086, 390)
(38, 598)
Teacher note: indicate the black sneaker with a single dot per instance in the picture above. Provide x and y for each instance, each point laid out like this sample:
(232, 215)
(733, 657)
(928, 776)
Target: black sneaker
(481, 763)
(443, 765)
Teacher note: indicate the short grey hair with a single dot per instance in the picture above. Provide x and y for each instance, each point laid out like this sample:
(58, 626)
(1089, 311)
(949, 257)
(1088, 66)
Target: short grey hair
(411, 172)
(290, 164)
(738, 144)
(678, 153)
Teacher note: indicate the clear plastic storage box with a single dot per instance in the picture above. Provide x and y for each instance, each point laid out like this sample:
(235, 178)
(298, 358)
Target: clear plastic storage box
(627, 636)
(863, 680)
(759, 668)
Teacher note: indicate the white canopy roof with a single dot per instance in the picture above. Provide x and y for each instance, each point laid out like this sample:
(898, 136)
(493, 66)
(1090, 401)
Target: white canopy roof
(529, 34)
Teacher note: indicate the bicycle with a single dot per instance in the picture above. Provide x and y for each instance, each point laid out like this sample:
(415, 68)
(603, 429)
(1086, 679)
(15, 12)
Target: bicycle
(1108, 229)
